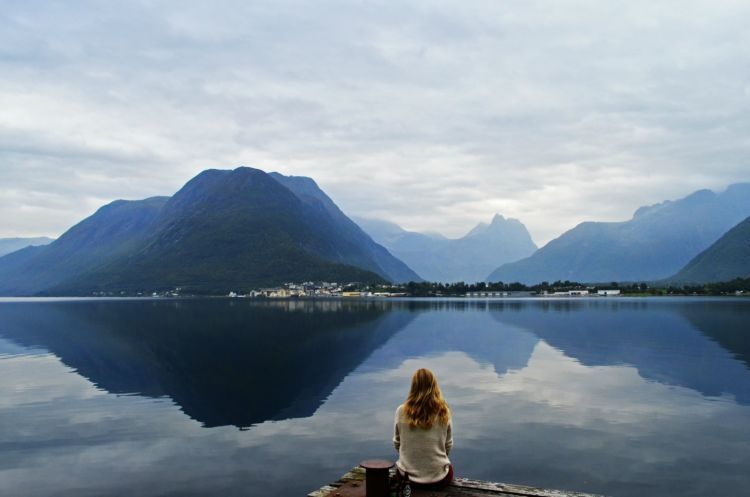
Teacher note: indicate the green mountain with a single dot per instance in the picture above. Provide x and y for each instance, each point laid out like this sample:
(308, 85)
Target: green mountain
(224, 230)
(654, 244)
(372, 256)
(725, 260)
(109, 233)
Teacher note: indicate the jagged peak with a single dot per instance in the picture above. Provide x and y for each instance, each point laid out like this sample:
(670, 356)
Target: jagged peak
(498, 221)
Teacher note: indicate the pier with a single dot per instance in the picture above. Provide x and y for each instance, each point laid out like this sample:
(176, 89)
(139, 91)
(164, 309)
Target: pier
(353, 483)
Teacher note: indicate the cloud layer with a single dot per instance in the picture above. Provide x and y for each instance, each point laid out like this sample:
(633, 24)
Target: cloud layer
(434, 115)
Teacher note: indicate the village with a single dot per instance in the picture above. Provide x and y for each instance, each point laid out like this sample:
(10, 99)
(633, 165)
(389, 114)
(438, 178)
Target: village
(321, 289)
(324, 289)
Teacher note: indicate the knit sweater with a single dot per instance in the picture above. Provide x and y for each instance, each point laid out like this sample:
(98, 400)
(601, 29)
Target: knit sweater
(423, 453)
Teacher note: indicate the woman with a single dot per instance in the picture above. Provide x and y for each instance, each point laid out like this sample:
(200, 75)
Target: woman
(423, 433)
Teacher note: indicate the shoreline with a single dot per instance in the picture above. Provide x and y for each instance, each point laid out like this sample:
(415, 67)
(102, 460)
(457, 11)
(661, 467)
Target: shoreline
(453, 298)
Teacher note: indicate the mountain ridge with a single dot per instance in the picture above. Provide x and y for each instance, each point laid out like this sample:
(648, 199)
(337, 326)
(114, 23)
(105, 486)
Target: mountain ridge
(468, 258)
(726, 259)
(223, 230)
(12, 244)
(654, 244)
(385, 263)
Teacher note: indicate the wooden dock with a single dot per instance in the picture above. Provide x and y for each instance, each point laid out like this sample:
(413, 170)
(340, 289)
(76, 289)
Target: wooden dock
(352, 484)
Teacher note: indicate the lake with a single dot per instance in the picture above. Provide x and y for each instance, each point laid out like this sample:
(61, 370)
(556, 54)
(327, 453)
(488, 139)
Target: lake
(627, 397)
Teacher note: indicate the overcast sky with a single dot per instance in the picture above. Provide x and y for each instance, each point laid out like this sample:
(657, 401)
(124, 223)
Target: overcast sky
(434, 115)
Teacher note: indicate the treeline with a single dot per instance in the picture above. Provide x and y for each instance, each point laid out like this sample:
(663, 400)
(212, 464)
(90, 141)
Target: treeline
(741, 285)
(435, 289)
(726, 287)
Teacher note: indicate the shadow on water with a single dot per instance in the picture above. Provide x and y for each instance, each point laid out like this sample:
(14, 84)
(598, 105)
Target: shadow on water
(223, 362)
(694, 344)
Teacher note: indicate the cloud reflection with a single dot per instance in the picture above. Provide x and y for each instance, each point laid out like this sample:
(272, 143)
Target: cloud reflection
(544, 418)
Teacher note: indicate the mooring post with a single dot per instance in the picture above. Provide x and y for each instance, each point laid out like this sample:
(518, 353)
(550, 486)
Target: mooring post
(376, 477)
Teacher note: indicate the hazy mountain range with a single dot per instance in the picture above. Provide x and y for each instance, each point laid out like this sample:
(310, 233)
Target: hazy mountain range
(223, 230)
(8, 245)
(244, 228)
(469, 258)
(656, 243)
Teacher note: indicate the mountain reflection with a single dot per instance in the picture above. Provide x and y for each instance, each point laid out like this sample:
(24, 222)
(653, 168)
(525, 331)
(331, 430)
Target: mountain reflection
(682, 343)
(613, 396)
(458, 327)
(237, 362)
(730, 327)
(223, 362)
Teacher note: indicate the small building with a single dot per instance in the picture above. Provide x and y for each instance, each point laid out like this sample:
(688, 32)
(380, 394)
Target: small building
(487, 294)
(569, 293)
(605, 293)
(578, 293)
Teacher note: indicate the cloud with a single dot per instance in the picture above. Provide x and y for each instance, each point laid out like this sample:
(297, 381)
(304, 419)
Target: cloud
(432, 115)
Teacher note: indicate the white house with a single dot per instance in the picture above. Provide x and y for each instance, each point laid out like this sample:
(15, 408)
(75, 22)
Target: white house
(604, 293)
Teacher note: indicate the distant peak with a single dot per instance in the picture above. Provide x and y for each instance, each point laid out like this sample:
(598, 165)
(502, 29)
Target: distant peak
(497, 218)
(702, 194)
(498, 222)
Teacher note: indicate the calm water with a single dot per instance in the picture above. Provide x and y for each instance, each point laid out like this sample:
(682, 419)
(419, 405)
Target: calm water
(231, 397)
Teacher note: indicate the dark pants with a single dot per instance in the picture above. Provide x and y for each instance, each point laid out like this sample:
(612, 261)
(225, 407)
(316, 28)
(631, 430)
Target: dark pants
(438, 484)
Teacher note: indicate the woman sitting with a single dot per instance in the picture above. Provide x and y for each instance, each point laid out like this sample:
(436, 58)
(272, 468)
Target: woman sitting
(423, 433)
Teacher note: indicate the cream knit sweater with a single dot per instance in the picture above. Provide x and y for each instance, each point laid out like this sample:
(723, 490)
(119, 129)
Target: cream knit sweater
(422, 453)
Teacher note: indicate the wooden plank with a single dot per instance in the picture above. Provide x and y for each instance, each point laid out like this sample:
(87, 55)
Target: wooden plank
(517, 489)
(460, 486)
(322, 491)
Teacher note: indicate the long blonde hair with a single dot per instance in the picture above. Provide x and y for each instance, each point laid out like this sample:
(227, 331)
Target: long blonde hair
(425, 403)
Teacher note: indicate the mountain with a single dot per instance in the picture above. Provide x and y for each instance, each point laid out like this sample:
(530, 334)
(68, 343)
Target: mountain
(728, 258)
(110, 232)
(384, 263)
(8, 245)
(657, 242)
(469, 258)
(394, 237)
(223, 230)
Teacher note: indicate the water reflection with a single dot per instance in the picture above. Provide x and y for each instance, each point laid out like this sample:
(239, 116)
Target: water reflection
(623, 397)
(729, 327)
(223, 362)
(683, 343)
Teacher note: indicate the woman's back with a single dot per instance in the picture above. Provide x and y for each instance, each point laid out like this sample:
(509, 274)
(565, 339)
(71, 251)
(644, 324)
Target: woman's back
(423, 433)
(423, 452)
